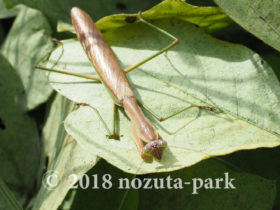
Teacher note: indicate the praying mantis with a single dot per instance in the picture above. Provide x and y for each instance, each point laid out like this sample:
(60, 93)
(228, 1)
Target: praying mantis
(148, 141)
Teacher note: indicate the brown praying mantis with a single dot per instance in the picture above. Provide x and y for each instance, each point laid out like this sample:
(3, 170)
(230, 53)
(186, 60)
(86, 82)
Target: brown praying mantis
(149, 142)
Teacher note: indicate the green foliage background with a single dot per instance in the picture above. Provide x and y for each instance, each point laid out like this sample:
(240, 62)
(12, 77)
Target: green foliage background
(33, 139)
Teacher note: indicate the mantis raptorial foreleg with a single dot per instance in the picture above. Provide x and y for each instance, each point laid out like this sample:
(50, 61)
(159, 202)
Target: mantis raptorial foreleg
(115, 134)
(111, 135)
(138, 142)
(100, 117)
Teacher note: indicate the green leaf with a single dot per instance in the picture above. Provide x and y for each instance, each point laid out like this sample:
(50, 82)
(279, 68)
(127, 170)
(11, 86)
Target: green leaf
(26, 44)
(7, 13)
(200, 70)
(209, 18)
(19, 140)
(66, 158)
(260, 18)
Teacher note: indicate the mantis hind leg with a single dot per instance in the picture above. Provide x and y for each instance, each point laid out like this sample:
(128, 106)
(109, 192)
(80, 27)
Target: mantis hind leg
(174, 43)
(160, 118)
(68, 73)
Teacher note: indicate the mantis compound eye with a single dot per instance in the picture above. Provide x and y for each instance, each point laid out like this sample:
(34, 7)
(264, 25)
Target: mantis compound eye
(155, 148)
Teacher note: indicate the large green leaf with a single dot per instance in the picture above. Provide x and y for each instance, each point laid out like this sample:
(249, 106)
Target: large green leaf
(19, 140)
(260, 18)
(27, 42)
(200, 70)
(66, 158)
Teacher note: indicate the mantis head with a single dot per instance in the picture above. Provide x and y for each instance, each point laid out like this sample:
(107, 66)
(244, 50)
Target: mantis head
(155, 148)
